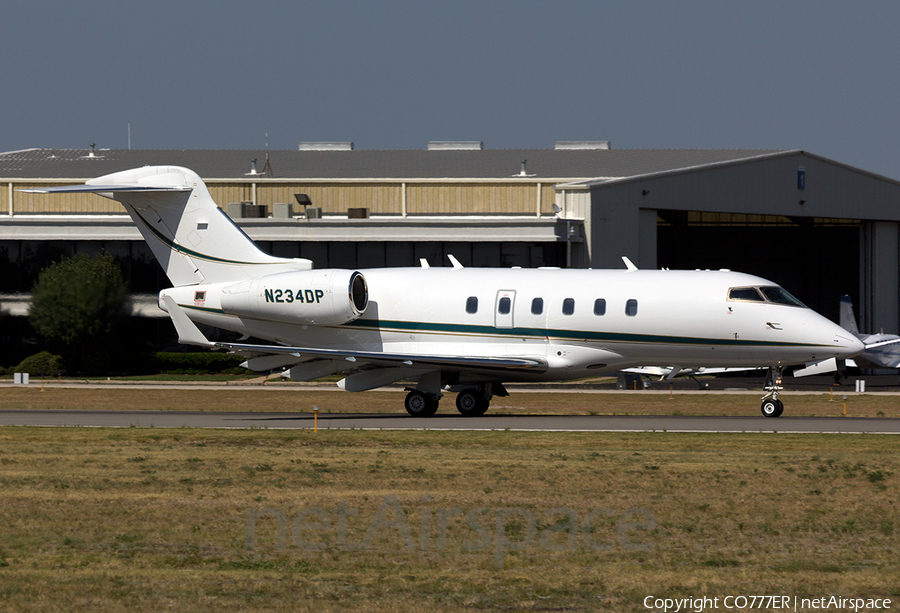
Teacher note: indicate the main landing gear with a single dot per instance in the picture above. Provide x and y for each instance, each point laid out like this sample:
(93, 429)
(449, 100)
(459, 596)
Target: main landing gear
(470, 401)
(420, 404)
(771, 405)
(473, 402)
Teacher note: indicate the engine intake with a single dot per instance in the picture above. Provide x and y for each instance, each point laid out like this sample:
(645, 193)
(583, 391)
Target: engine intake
(319, 297)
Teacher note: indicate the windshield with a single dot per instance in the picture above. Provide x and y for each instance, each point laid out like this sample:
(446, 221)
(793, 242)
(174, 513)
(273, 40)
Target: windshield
(745, 293)
(779, 296)
(771, 294)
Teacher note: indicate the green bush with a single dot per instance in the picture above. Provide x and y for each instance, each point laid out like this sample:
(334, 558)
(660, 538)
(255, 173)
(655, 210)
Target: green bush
(163, 363)
(43, 362)
(198, 363)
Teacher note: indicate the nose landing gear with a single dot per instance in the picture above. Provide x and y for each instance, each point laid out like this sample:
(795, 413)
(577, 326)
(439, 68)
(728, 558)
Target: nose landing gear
(771, 405)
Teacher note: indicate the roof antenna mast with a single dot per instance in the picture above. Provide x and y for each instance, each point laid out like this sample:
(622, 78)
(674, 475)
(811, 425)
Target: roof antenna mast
(267, 169)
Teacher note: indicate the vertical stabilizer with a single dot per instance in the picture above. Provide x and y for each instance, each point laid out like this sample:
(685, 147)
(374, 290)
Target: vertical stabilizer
(191, 237)
(847, 318)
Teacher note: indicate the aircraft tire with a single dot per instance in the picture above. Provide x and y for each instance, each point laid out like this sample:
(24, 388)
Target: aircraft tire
(780, 408)
(471, 404)
(419, 404)
(772, 408)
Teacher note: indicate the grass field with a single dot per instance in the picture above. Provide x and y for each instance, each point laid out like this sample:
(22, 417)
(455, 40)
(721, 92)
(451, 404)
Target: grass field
(192, 520)
(296, 399)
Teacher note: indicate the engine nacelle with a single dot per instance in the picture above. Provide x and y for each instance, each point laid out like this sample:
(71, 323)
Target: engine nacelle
(320, 297)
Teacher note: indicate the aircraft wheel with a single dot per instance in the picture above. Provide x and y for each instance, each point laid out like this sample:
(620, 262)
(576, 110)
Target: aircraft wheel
(419, 404)
(772, 408)
(471, 404)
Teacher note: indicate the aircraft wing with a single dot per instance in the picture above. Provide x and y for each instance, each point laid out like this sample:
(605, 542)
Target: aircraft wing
(670, 372)
(392, 359)
(817, 368)
(885, 343)
(374, 368)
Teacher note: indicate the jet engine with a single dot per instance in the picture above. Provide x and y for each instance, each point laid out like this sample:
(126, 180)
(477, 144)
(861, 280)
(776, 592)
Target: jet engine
(318, 297)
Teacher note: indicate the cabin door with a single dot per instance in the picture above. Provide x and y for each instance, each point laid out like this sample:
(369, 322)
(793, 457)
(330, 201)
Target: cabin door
(504, 308)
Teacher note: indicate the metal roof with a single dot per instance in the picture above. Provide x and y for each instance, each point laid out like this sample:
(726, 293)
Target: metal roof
(553, 164)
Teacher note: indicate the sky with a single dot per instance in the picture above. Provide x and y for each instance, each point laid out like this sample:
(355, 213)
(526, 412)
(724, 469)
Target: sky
(821, 76)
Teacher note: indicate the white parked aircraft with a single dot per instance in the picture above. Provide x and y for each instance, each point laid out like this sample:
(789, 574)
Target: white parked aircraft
(882, 350)
(463, 330)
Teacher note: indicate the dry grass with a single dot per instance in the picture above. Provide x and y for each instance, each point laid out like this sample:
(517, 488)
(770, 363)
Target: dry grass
(108, 520)
(285, 398)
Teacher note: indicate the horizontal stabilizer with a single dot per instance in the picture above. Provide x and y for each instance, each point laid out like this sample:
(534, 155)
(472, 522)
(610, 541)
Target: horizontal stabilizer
(94, 189)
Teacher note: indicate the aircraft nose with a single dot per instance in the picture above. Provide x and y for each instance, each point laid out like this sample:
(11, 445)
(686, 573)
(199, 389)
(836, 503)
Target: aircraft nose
(847, 344)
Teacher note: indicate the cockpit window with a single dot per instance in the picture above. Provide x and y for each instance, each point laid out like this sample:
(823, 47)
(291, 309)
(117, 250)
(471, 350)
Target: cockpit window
(745, 293)
(772, 294)
(779, 296)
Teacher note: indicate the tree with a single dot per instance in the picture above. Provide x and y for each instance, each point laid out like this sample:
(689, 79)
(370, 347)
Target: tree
(78, 302)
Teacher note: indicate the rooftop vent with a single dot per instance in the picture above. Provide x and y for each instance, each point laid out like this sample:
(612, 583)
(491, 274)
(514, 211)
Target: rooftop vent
(582, 144)
(326, 146)
(253, 172)
(93, 152)
(523, 173)
(451, 145)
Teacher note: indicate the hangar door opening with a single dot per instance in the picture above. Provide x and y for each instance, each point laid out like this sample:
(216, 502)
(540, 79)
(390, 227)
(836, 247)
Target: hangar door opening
(815, 259)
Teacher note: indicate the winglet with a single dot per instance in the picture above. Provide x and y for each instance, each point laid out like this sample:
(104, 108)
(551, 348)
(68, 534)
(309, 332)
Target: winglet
(188, 332)
(629, 264)
(454, 261)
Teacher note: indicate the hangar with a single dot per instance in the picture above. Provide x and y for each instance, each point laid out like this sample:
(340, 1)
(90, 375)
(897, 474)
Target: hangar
(814, 225)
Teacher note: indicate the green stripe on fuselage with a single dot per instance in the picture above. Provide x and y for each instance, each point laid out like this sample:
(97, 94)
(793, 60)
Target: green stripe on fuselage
(384, 325)
(583, 335)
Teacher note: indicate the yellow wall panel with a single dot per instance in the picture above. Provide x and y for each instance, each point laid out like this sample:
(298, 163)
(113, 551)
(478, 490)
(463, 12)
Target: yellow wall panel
(472, 199)
(59, 203)
(334, 198)
(225, 193)
(445, 198)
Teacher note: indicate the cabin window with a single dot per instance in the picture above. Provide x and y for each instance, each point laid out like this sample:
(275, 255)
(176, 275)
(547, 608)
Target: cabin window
(504, 306)
(745, 293)
(472, 304)
(631, 307)
(600, 306)
(568, 306)
(537, 306)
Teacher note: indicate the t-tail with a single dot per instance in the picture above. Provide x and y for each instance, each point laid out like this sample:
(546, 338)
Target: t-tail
(192, 238)
(847, 318)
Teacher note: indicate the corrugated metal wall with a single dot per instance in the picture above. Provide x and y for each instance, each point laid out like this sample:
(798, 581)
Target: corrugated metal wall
(422, 198)
(59, 203)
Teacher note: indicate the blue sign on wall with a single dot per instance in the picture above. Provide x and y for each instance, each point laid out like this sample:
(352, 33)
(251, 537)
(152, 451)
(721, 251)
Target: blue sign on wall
(801, 177)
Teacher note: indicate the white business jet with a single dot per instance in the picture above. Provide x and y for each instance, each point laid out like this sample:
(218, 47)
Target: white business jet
(454, 329)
